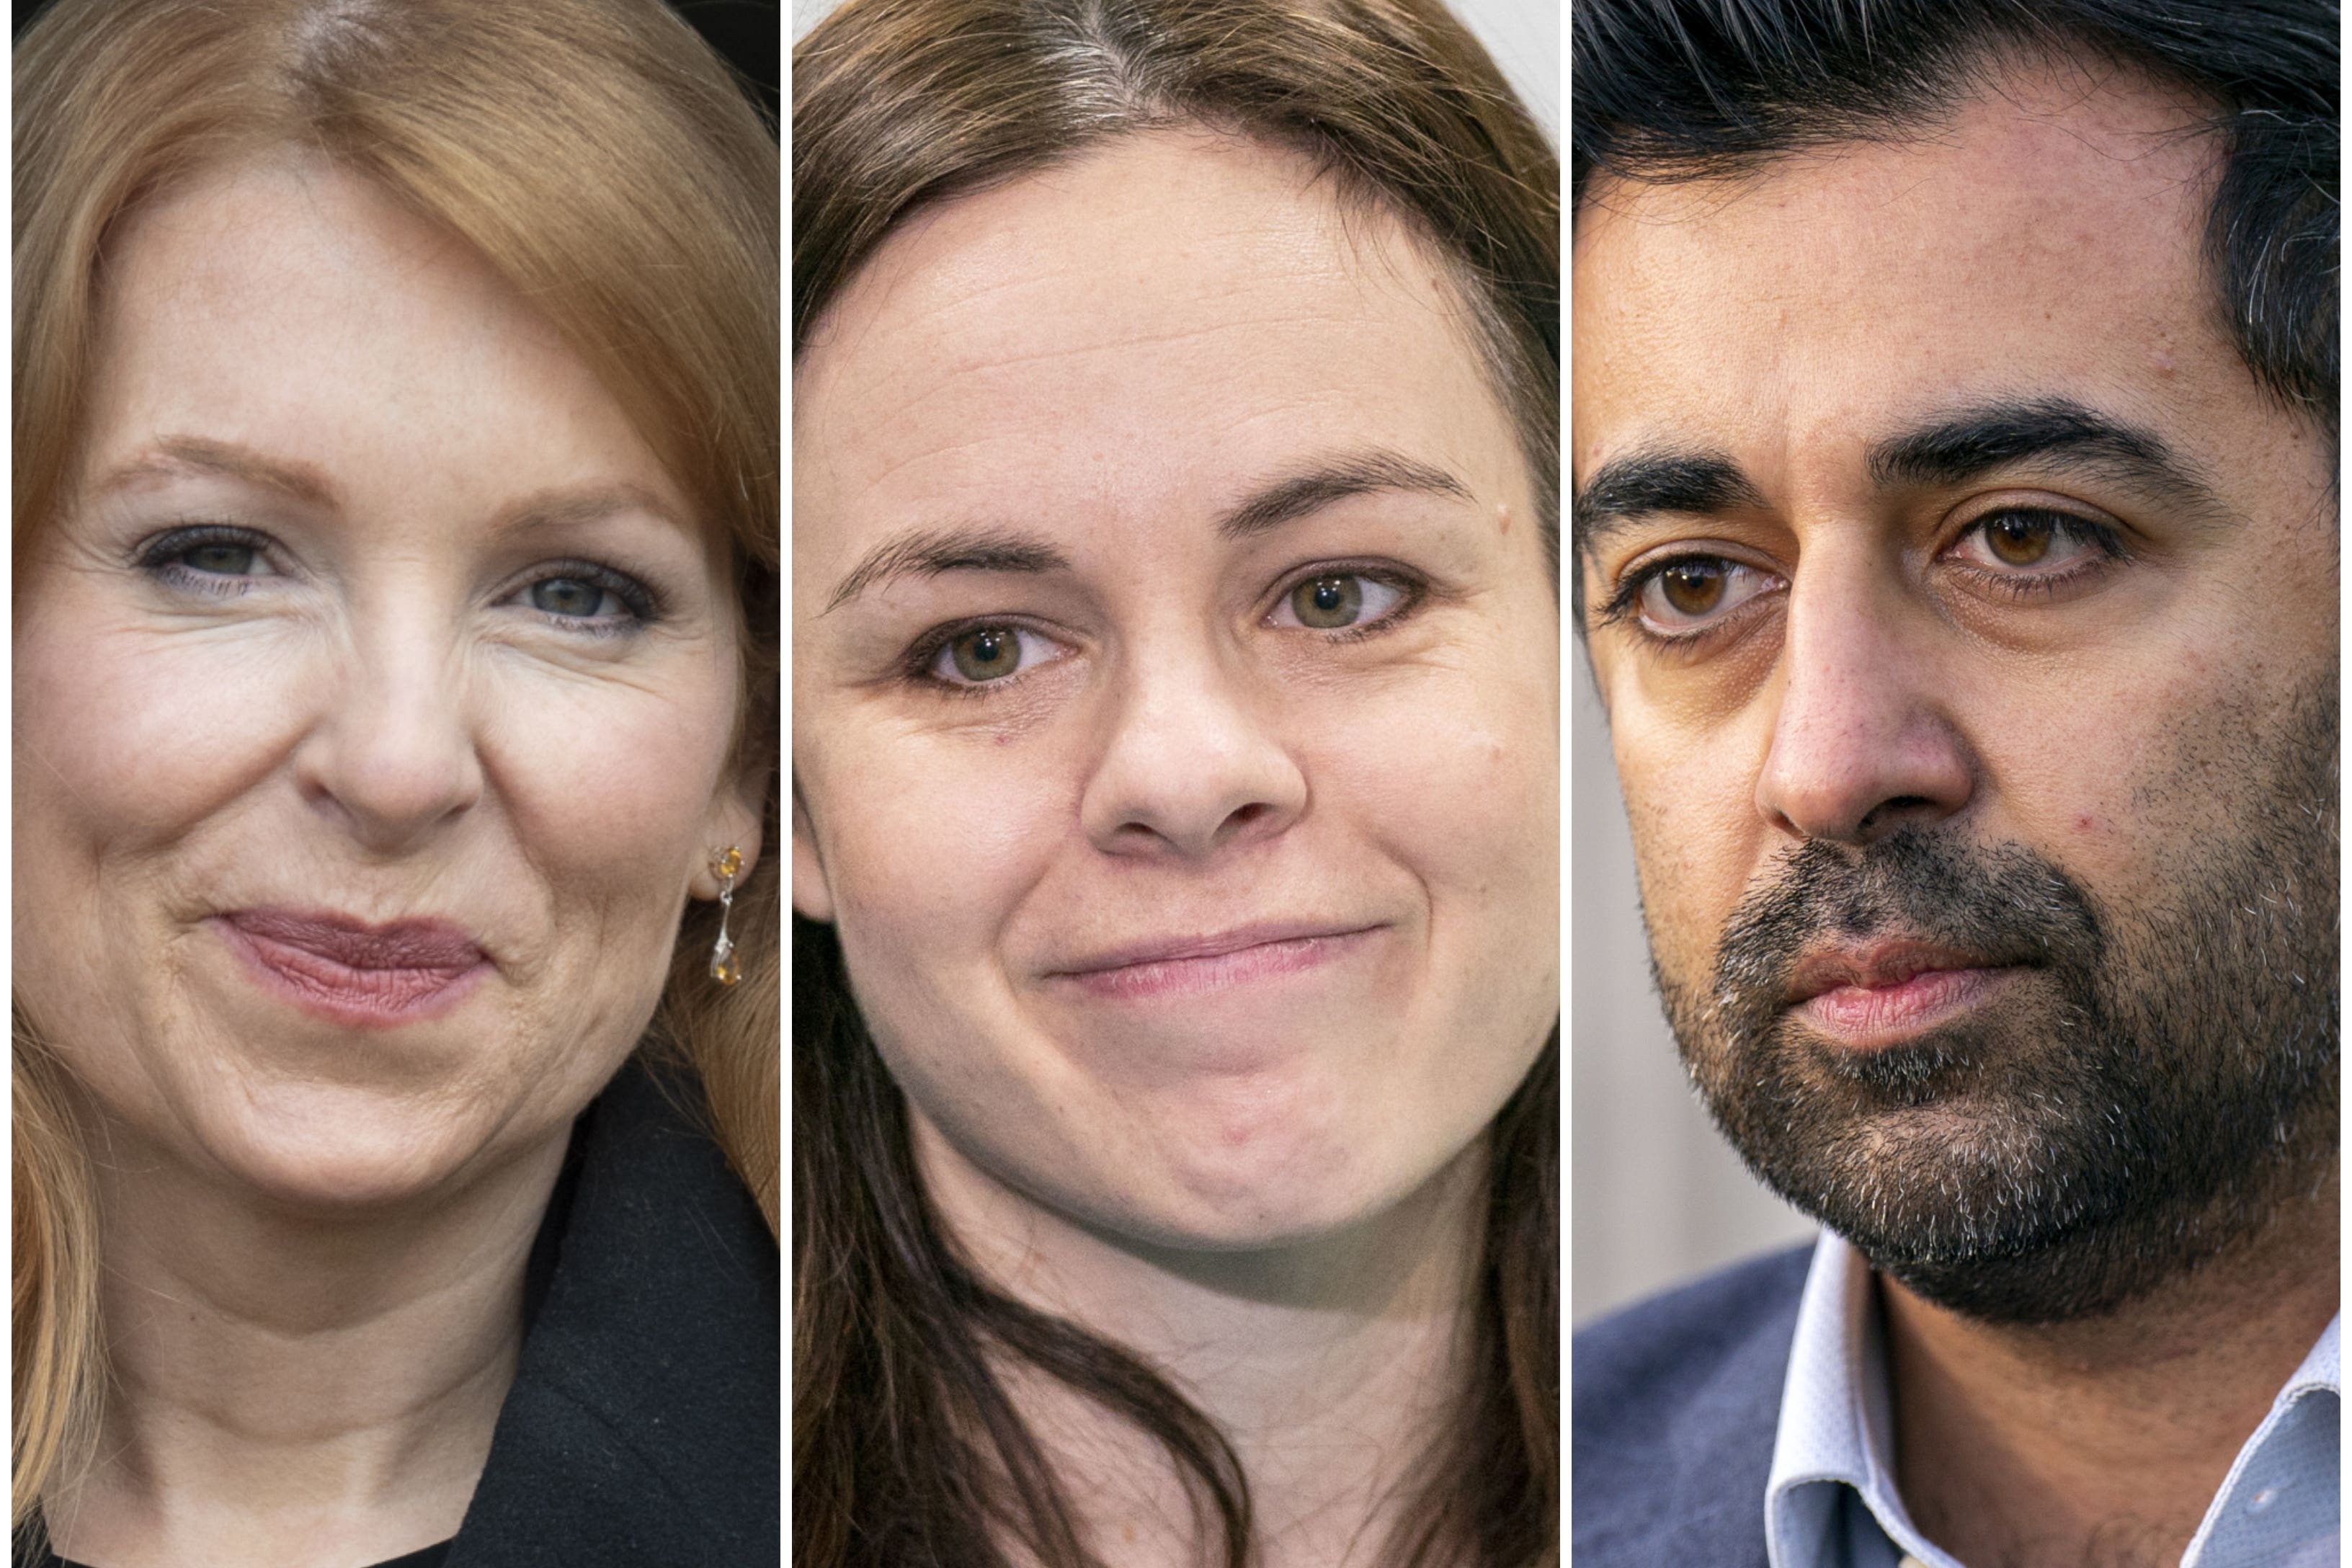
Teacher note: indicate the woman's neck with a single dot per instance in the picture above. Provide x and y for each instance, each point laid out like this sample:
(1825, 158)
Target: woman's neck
(293, 1387)
(1330, 1364)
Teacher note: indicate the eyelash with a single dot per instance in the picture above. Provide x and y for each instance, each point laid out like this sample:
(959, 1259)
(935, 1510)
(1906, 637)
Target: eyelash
(915, 668)
(160, 558)
(1623, 604)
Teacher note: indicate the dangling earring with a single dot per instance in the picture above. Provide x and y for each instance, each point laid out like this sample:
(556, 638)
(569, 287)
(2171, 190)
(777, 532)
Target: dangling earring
(726, 866)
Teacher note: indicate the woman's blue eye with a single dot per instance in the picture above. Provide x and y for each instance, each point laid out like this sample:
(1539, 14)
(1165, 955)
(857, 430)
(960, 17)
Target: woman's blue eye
(220, 558)
(576, 599)
(207, 557)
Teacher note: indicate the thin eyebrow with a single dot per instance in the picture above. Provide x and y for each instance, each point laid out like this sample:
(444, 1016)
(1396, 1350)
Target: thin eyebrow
(936, 553)
(1640, 484)
(1961, 447)
(560, 509)
(175, 453)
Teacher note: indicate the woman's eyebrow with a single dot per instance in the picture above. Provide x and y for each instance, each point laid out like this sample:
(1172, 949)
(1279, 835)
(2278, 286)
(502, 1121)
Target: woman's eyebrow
(1293, 496)
(171, 455)
(954, 550)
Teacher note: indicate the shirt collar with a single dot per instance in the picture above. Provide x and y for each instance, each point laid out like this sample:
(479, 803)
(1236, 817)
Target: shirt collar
(1836, 1421)
(1836, 1430)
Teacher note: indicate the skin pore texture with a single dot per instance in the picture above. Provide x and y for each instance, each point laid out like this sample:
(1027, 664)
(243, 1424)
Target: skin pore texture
(1199, 468)
(2056, 673)
(398, 673)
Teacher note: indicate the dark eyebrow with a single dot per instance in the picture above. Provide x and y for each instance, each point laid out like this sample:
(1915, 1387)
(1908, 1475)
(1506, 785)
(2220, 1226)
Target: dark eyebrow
(173, 454)
(1642, 483)
(1286, 500)
(950, 550)
(1966, 446)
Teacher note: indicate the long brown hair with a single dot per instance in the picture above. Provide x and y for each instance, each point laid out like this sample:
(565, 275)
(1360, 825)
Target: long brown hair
(907, 1449)
(602, 158)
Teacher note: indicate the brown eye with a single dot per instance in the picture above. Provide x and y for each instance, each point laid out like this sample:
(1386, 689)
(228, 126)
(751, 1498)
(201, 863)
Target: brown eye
(1328, 602)
(1683, 596)
(2021, 538)
(986, 653)
(1693, 587)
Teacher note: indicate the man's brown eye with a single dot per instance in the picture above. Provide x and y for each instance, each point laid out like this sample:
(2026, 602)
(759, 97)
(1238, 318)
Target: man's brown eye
(1693, 587)
(2021, 538)
(986, 653)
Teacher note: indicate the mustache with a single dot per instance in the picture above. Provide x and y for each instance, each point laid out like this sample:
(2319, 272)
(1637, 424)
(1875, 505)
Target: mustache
(2002, 904)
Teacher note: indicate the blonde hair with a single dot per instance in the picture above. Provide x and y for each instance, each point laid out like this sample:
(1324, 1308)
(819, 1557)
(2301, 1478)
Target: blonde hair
(602, 158)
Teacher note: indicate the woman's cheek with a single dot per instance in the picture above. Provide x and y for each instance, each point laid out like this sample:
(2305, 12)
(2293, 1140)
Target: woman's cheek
(931, 846)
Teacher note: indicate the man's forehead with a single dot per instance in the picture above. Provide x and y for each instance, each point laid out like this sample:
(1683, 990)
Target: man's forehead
(2047, 232)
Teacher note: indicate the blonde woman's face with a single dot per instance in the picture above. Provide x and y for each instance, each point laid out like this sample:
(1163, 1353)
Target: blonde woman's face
(1175, 696)
(373, 702)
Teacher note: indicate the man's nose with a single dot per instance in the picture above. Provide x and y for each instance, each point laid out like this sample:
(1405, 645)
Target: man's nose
(1862, 742)
(1191, 764)
(393, 755)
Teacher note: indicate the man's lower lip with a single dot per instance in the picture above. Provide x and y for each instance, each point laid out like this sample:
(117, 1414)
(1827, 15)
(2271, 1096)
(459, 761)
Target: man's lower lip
(1867, 1017)
(354, 998)
(1219, 972)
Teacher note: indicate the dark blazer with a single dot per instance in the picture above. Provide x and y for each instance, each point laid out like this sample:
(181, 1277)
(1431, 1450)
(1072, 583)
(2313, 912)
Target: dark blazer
(1674, 1405)
(643, 1429)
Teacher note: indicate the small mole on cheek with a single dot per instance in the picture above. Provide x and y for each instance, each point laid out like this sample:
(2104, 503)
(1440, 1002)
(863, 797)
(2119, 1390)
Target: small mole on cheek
(2162, 360)
(2085, 823)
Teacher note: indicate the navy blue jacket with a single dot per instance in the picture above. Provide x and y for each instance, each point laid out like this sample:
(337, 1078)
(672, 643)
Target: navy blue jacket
(1674, 1407)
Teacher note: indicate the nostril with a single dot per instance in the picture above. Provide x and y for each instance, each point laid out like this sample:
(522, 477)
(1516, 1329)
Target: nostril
(1891, 812)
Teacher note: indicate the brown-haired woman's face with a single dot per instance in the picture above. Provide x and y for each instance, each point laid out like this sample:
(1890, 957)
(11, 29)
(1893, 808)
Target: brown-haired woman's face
(1175, 694)
(373, 697)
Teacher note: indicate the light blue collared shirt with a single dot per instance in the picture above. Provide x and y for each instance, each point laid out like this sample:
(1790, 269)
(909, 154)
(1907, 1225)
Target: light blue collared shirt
(1831, 1503)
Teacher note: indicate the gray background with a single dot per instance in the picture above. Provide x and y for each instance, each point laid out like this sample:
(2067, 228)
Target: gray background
(1655, 1193)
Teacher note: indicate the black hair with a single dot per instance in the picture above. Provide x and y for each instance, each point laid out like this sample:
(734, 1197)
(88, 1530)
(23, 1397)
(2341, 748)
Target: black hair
(1683, 89)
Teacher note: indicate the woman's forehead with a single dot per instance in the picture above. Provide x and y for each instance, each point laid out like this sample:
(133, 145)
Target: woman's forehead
(288, 309)
(1128, 335)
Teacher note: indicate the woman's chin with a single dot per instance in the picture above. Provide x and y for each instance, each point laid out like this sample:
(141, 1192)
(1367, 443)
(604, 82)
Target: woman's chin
(343, 1150)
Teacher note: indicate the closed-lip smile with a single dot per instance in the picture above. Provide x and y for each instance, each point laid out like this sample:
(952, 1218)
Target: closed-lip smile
(352, 971)
(1193, 964)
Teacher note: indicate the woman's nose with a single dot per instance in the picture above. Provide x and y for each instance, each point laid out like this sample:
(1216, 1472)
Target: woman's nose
(1191, 767)
(1862, 742)
(392, 754)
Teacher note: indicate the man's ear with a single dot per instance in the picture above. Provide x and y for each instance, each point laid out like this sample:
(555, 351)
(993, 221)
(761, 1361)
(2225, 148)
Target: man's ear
(812, 891)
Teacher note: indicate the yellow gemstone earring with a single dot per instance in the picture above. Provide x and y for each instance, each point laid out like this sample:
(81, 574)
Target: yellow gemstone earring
(725, 866)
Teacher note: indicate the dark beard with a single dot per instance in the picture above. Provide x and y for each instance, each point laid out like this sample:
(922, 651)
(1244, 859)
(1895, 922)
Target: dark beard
(2149, 1089)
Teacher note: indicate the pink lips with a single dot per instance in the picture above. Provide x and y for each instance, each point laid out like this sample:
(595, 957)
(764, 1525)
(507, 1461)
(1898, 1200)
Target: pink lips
(353, 973)
(1197, 965)
(1883, 994)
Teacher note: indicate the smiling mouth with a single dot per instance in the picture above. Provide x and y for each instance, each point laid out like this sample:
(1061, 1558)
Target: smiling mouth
(353, 973)
(1198, 966)
(1871, 997)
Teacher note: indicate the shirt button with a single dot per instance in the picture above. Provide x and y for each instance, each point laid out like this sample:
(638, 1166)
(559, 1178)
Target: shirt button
(2261, 1499)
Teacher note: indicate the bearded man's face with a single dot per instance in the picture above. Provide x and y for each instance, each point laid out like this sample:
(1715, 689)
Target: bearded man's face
(1966, 621)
